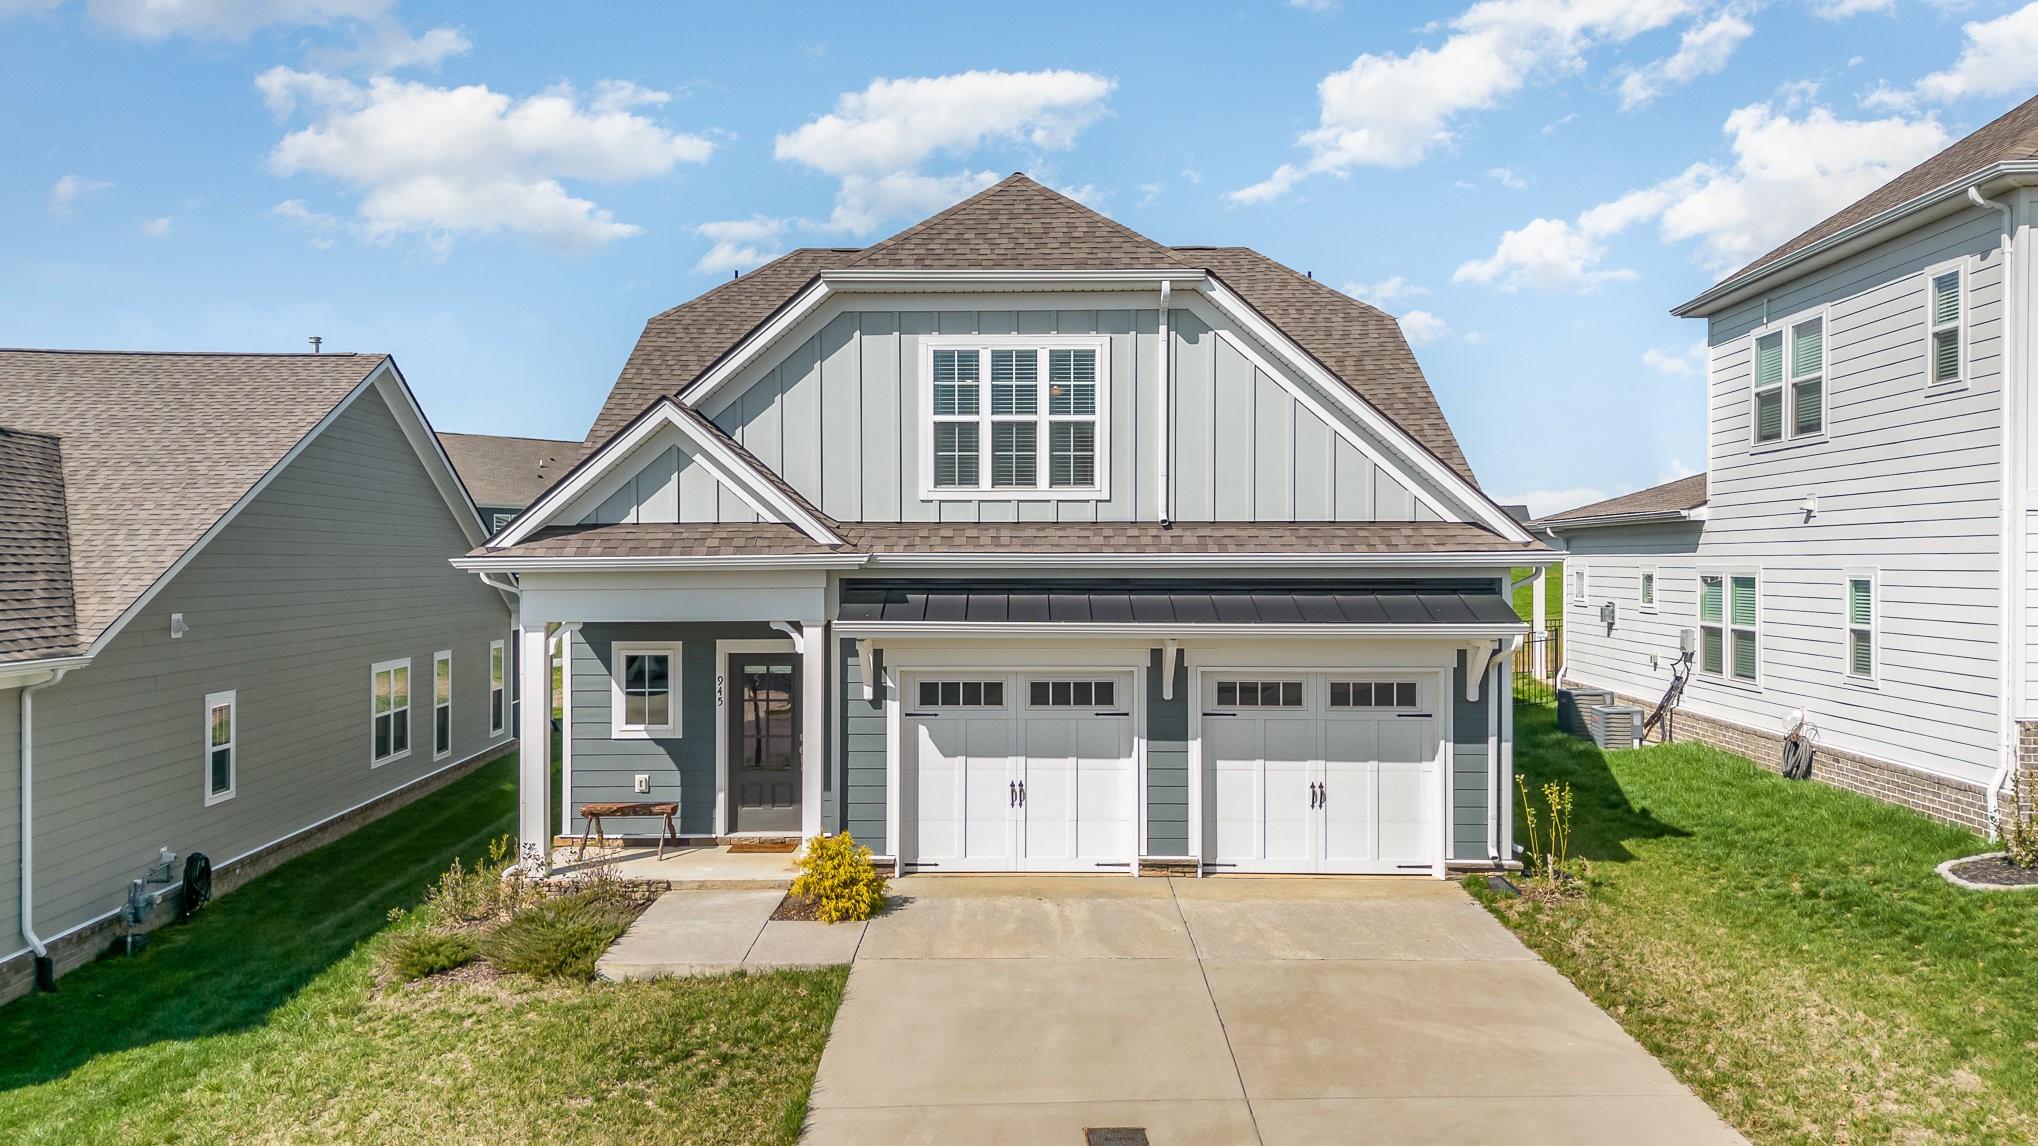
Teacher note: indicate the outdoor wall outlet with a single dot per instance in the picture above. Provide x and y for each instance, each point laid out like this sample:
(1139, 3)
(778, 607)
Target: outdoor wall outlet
(643, 784)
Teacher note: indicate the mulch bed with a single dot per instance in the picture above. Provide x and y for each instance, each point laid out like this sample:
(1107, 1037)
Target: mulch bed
(1996, 872)
(798, 908)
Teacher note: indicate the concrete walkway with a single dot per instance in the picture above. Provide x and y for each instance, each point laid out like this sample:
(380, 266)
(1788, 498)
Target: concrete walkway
(708, 932)
(1230, 1010)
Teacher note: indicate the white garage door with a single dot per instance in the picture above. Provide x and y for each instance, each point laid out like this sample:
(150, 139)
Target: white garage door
(1318, 772)
(1018, 772)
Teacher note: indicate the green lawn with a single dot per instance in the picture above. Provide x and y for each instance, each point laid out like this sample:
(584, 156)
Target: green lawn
(262, 1020)
(1786, 949)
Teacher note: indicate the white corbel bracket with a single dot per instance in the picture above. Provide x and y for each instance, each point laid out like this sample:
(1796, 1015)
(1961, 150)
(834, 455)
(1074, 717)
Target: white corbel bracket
(1476, 664)
(796, 633)
(1171, 654)
(864, 657)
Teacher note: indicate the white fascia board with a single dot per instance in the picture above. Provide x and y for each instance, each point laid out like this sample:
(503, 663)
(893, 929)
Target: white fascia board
(1267, 334)
(1842, 242)
(1002, 561)
(417, 429)
(234, 511)
(759, 341)
(540, 513)
(514, 564)
(789, 511)
(870, 279)
(1183, 631)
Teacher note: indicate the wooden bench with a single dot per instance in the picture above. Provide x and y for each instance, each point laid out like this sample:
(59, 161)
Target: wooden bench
(591, 817)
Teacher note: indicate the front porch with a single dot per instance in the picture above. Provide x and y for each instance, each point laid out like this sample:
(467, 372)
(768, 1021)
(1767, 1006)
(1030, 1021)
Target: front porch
(682, 867)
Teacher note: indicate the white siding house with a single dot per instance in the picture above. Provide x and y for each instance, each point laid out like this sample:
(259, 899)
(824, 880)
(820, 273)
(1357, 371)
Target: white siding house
(1857, 554)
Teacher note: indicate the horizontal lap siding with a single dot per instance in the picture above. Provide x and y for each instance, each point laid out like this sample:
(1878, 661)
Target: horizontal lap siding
(1908, 485)
(864, 765)
(681, 768)
(839, 416)
(1471, 772)
(1167, 761)
(340, 563)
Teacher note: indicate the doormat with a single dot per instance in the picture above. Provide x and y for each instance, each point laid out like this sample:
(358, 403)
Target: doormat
(756, 847)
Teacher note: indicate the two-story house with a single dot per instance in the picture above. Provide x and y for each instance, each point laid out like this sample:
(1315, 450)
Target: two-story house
(227, 628)
(1019, 541)
(1857, 556)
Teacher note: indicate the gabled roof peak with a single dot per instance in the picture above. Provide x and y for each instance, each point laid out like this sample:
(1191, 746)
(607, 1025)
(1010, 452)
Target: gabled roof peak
(1017, 224)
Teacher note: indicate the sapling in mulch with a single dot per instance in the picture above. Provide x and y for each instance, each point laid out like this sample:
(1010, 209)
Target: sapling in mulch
(1548, 866)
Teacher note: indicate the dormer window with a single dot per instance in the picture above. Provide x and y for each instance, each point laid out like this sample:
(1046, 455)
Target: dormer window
(1016, 417)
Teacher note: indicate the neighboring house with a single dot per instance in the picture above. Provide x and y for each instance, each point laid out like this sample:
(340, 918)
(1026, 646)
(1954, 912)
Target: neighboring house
(1859, 551)
(503, 475)
(1021, 541)
(226, 624)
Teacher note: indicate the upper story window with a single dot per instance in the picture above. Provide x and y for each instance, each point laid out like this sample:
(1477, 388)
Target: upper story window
(1790, 382)
(1016, 418)
(1946, 302)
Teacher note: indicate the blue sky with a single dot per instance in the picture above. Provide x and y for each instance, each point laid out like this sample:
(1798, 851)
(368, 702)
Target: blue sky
(500, 195)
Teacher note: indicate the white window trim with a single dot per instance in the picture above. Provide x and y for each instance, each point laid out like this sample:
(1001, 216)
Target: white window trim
(1960, 326)
(445, 657)
(1787, 387)
(409, 693)
(1726, 674)
(617, 729)
(985, 491)
(498, 686)
(1648, 586)
(233, 747)
(1874, 578)
(1580, 587)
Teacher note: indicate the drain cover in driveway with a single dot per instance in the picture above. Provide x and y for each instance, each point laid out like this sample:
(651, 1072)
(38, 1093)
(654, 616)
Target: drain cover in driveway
(1115, 1136)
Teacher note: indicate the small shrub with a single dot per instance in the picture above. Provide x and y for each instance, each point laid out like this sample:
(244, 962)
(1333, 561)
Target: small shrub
(557, 938)
(2020, 827)
(837, 874)
(416, 954)
(493, 890)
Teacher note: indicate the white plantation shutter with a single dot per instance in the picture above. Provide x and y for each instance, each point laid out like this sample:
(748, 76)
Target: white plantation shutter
(1945, 320)
(1769, 387)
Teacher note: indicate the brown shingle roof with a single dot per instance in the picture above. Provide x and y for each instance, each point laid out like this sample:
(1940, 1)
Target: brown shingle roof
(157, 447)
(507, 471)
(1670, 497)
(1130, 538)
(37, 615)
(1020, 225)
(2010, 137)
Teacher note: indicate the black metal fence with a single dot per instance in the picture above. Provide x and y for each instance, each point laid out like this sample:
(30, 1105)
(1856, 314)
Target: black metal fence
(1536, 664)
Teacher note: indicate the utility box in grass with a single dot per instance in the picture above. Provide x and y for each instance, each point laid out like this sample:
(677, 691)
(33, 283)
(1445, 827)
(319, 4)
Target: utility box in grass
(1614, 726)
(1571, 706)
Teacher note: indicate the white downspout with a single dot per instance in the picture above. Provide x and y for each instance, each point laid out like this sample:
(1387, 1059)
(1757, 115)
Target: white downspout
(28, 813)
(2010, 634)
(1165, 446)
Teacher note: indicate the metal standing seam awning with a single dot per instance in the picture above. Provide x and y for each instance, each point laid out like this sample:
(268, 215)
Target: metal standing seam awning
(1442, 608)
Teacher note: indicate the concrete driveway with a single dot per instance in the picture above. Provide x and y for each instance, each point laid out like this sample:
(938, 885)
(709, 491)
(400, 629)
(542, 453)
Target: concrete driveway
(1028, 1010)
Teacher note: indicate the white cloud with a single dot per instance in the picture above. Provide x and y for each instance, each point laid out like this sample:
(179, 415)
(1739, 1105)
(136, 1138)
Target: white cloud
(321, 226)
(876, 140)
(1149, 193)
(65, 193)
(224, 19)
(1385, 291)
(740, 244)
(1686, 364)
(21, 7)
(156, 228)
(1543, 502)
(1506, 177)
(1703, 50)
(1420, 326)
(1841, 9)
(1787, 173)
(388, 46)
(1478, 337)
(1675, 470)
(1393, 110)
(1314, 5)
(439, 163)
(2000, 56)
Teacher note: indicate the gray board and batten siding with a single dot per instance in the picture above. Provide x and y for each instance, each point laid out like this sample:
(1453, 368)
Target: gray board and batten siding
(838, 416)
(339, 563)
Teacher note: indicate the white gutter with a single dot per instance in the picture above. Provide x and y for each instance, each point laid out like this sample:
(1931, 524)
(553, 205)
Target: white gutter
(1179, 630)
(1654, 517)
(657, 564)
(1031, 561)
(892, 280)
(28, 815)
(1165, 444)
(2009, 633)
(489, 580)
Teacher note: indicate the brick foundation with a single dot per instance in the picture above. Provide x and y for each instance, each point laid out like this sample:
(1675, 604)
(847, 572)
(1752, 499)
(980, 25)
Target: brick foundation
(17, 975)
(1947, 800)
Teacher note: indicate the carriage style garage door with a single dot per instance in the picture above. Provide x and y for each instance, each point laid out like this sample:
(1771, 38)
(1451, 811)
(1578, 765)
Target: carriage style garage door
(1018, 772)
(1318, 772)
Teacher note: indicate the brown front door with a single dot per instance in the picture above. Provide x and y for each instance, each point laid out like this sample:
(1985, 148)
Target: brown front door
(764, 742)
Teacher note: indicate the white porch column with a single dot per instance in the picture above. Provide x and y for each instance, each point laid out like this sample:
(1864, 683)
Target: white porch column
(813, 723)
(534, 750)
(1539, 649)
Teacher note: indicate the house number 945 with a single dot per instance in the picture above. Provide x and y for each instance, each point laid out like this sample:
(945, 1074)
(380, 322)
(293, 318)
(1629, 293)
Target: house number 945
(718, 690)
